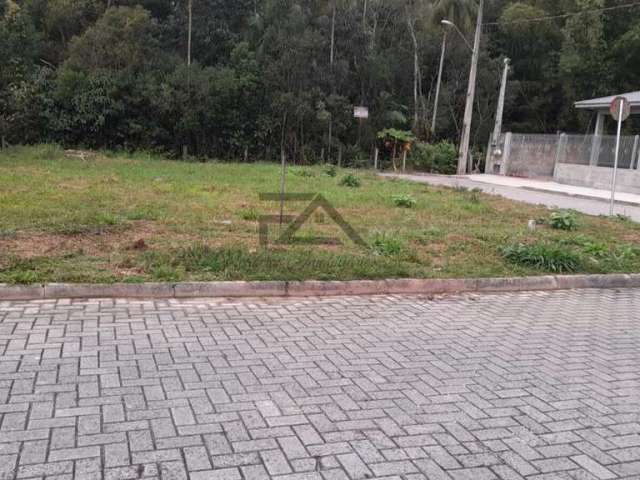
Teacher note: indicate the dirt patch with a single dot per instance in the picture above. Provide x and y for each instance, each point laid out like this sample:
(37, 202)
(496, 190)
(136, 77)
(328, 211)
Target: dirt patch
(30, 245)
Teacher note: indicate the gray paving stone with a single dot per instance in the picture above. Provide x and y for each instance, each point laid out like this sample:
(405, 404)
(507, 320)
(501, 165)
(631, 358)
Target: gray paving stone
(533, 386)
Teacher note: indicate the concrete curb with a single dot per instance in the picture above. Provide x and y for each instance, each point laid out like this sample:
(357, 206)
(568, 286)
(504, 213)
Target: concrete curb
(316, 288)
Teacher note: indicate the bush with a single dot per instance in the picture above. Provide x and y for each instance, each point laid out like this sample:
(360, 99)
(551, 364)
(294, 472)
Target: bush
(331, 171)
(547, 257)
(404, 201)
(350, 180)
(385, 245)
(355, 157)
(435, 158)
(563, 220)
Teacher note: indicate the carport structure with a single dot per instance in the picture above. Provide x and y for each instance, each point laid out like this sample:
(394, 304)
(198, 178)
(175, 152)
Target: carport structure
(601, 107)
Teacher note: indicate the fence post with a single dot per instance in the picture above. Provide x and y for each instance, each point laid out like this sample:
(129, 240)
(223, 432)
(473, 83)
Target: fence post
(375, 159)
(488, 161)
(404, 161)
(596, 141)
(506, 152)
(634, 152)
(560, 149)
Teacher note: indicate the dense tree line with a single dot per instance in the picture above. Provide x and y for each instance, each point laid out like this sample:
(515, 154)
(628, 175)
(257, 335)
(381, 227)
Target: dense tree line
(268, 75)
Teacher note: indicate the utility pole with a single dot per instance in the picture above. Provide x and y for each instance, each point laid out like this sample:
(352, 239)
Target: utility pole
(189, 35)
(499, 113)
(435, 105)
(471, 91)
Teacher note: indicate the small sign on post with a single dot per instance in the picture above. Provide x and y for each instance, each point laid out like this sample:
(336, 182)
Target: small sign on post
(620, 110)
(361, 112)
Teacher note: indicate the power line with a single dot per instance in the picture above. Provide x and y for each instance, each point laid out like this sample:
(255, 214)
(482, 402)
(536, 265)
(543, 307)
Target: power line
(566, 15)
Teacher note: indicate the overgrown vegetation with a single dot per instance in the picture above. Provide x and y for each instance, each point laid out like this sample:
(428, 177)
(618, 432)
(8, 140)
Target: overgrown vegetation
(272, 74)
(106, 217)
(441, 157)
(543, 256)
(563, 220)
(351, 180)
(404, 201)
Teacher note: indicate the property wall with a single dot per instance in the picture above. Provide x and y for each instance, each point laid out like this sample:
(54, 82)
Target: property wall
(532, 156)
(523, 155)
(627, 181)
(580, 160)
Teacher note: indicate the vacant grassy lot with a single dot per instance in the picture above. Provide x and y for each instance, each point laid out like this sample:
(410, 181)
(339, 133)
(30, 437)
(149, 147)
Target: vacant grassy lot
(108, 217)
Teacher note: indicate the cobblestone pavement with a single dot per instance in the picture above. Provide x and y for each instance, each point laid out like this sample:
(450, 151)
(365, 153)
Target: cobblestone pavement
(534, 385)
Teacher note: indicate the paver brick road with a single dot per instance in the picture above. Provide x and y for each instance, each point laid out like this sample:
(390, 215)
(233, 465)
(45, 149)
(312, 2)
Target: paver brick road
(531, 385)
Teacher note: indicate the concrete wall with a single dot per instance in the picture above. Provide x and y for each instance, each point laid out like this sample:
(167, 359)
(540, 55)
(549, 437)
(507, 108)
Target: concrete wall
(628, 181)
(523, 155)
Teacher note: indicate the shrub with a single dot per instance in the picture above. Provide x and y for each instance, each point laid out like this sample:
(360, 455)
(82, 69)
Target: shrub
(355, 157)
(331, 171)
(400, 136)
(563, 220)
(547, 257)
(350, 180)
(435, 158)
(404, 201)
(385, 245)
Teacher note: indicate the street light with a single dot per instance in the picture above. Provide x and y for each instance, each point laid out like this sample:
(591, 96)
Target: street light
(446, 23)
(449, 23)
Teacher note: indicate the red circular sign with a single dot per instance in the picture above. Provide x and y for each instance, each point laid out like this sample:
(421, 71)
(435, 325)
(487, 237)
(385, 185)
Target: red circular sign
(618, 105)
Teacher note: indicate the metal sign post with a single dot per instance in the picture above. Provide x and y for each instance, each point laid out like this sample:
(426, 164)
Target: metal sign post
(620, 111)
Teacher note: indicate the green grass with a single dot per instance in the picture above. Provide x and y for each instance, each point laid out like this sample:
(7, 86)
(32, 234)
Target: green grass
(113, 217)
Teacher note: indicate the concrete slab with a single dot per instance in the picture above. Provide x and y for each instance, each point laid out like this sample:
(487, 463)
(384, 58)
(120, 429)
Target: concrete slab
(549, 186)
(586, 200)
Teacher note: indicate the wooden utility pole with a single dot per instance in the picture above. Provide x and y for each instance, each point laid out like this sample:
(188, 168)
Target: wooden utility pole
(416, 71)
(331, 61)
(333, 34)
(471, 92)
(435, 104)
(189, 34)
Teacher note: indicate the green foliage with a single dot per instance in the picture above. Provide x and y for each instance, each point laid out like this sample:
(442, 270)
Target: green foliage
(350, 180)
(404, 201)
(542, 256)
(249, 214)
(331, 171)
(387, 245)
(435, 158)
(233, 263)
(123, 38)
(394, 134)
(563, 220)
(109, 201)
(261, 79)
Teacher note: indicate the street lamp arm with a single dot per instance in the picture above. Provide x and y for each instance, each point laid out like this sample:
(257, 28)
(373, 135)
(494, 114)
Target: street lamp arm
(451, 24)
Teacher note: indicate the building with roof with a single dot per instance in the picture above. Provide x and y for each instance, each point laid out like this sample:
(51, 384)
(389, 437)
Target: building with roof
(574, 159)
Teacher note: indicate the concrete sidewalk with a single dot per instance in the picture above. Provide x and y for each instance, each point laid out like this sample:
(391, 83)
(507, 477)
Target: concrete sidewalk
(549, 186)
(553, 195)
